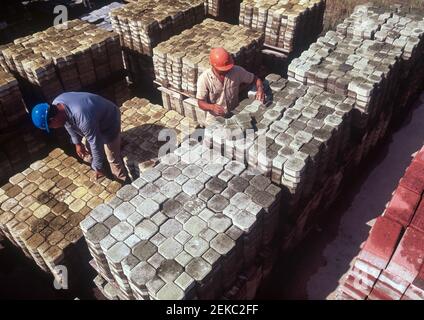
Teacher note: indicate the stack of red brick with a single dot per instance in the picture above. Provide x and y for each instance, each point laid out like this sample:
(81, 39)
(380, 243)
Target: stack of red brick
(390, 265)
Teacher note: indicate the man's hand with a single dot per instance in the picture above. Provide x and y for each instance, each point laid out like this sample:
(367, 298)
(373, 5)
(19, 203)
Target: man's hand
(81, 151)
(260, 92)
(217, 110)
(260, 95)
(214, 109)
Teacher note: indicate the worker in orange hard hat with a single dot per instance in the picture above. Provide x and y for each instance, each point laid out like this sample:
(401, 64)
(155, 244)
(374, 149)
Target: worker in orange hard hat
(218, 87)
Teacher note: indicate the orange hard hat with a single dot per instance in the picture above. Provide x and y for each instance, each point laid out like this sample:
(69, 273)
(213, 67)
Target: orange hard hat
(221, 60)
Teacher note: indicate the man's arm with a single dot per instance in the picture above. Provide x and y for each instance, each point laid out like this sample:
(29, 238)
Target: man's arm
(75, 137)
(249, 78)
(260, 94)
(77, 141)
(215, 109)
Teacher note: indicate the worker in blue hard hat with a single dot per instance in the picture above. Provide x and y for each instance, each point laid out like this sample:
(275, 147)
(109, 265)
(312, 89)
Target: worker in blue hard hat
(93, 117)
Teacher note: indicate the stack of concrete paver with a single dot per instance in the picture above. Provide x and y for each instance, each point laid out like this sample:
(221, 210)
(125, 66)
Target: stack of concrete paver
(12, 107)
(224, 10)
(250, 115)
(396, 26)
(100, 17)
(390, 265)
(179, 61)
(293, 140)
(3, 64)
(146, 128)
(365, 21)
(289, 25)
(370, 64)
(186, 106)
(20, 143)
(70, 57)
(118, 92)
(147, 245)
(187, 228)
(366, 71)
(20, 147)
(41, 208)
(144, 24)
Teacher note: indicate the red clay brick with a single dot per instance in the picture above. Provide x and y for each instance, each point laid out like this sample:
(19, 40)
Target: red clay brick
(419, 279)
(420, 156)
(358, 286)
(408, 257)
(418, 219)
(413, 293)
(402, 206)
(417, 167)
(381, 243)
(394, 281)
(377, 294)
(367, 268)
(383, 291)
(414, 178)
(354, 292)
(345, 296)
(368, 279)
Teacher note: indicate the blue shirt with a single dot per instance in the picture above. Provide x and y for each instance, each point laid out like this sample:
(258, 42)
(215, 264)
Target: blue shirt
(93, 117)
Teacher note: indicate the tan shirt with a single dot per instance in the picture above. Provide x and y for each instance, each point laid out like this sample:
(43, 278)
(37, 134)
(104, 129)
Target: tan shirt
(226, 94)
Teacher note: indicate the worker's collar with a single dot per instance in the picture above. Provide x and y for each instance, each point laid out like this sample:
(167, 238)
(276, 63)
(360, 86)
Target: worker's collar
(218, 76)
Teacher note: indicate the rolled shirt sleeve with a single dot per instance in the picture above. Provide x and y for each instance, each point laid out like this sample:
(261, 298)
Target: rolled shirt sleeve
(202, 88)
(245, 76)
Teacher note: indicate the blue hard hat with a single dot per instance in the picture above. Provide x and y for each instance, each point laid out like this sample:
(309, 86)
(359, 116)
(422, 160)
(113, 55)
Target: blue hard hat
(39, 116)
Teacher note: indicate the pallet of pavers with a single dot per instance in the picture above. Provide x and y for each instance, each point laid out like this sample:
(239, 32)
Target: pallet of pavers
(366, 71)
(41, 207)
(185, 229)
(390, 264)
(20, 147)
(224, 10)
(179, 61)
(396, 26)
(327, 63)
(20, 142)
(101, 17)
(118, 92)
(143, 24)
(3, 64)
(70, 57)
(12, 107)
(149, 130)
(292, 140)
(372, 71)
(365, 21)
(289, 25)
